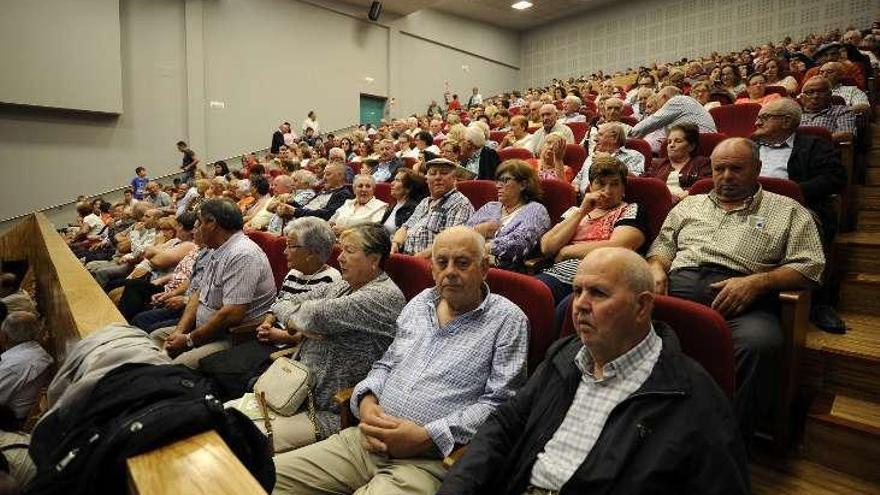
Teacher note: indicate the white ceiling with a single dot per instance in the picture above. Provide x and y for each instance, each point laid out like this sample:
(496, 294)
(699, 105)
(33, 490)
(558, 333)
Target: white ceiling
(496, 12)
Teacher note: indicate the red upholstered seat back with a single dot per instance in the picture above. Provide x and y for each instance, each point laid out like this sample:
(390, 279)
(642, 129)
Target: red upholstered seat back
(514, 153)
(702, 332)
(642, 147)
(653, 195)
(497, 136)
(574, 157)
(411, 274)
(579, 129)
(479, 192)
(784, 187)
(629, 120)
(383, 192)
(736, 120)
(708, 142)
(816, 131)
(334, 256)
(274, 246)
(536, 301)
(558, 197)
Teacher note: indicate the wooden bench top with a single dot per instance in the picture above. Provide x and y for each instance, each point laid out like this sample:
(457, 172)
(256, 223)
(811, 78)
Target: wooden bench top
(201, 464)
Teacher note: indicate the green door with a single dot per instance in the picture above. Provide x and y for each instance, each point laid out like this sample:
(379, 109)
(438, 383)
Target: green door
(372, 109)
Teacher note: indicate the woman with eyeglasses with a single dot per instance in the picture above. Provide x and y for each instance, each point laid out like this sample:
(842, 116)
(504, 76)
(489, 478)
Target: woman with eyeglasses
(512, 225)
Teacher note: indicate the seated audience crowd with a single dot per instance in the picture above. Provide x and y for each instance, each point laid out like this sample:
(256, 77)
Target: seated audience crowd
(190, 264)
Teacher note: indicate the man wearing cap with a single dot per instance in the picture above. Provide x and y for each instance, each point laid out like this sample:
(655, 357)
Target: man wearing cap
(443, 208)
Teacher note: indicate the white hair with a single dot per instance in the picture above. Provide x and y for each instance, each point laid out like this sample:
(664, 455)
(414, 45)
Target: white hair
(20, 326)
(307, 177)
(336, 153)
(475, 136)
(574, 99)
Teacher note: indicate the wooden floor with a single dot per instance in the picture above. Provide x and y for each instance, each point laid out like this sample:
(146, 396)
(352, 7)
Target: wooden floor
(802, 477)
(862, 338)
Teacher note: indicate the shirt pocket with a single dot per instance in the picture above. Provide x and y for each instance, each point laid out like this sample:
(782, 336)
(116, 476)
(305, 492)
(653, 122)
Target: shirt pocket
(756, 246)
(436, 221)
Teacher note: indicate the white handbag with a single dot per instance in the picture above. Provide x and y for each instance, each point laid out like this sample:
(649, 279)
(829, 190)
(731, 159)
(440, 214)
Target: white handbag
(286, 384)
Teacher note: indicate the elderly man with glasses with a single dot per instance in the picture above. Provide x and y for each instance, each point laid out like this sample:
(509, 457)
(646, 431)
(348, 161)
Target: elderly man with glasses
(819, 112)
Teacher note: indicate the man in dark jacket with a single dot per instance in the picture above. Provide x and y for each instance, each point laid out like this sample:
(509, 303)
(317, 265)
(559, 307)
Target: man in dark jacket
(475, 156)
(616, 409)
(815, 165)
(278, 137)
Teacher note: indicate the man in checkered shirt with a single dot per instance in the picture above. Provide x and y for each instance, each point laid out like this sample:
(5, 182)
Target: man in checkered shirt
(616, 408)
(460, 352)
(734, 249)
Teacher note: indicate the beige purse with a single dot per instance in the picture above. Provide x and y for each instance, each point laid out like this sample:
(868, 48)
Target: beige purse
(286, 385)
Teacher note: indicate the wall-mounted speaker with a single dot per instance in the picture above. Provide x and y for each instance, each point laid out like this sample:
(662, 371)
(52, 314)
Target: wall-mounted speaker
(375, 11)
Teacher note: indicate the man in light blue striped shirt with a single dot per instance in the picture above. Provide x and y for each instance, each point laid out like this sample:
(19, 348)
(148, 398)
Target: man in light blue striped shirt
(460, 352)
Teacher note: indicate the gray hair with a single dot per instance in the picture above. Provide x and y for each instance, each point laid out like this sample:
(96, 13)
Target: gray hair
(315, 235)
(668, 92)
(336, 153)
(20, 326)
(373, 238)
(224, 212)
(618, 129)
(475, 136)
(785, 106)
(307, 177)
(574, 99)
(364, 177)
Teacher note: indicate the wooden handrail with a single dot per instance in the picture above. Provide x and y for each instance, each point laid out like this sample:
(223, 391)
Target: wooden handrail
(74, 306)
(201, 464)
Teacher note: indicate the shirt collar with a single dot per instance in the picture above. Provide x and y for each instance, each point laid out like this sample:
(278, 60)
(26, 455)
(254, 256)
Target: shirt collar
(625, 365)
(233, 238)
(749, 203)
(788, 143)
(435, 299)
(19, 349)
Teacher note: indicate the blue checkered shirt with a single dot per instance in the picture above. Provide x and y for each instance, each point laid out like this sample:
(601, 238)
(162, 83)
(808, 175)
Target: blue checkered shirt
(449, 379)
(593, 403)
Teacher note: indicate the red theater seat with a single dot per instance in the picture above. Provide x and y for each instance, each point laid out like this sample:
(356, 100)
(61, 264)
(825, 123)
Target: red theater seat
(479, 192)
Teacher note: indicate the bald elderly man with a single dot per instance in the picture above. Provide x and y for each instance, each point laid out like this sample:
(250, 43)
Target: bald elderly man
(550, 123)
(854, 97)
(819, 112)
(734, 250)
(675, 108)
(460, 352)
(671, 431)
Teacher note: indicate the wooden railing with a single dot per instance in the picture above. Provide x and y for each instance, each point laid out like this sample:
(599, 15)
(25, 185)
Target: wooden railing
(74, 306)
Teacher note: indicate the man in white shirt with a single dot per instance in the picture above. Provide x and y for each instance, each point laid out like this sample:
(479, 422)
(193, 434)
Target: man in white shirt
(550, 123)
(854, 97)
(570, 107)
(24, 365)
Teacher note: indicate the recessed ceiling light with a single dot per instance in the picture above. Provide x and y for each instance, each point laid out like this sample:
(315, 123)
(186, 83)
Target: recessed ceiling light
(522, 5)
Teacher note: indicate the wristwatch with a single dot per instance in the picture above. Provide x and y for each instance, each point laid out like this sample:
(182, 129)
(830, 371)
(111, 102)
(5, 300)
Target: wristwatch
(189, 342)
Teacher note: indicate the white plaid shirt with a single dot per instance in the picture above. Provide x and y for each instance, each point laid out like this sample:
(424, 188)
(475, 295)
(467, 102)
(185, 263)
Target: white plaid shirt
(593, 403)
(851, 94)
(432, 217)
(449, 379)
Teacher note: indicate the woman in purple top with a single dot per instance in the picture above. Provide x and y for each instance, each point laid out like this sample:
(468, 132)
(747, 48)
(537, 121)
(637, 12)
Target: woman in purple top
(514, 224)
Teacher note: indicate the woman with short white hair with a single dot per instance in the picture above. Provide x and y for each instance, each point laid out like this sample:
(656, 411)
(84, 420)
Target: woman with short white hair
(363, 208)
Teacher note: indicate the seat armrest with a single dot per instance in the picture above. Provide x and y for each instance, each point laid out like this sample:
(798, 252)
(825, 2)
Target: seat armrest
(535, 265)
(454, 456)
(244, 332)
(794, 320)
(342, 400)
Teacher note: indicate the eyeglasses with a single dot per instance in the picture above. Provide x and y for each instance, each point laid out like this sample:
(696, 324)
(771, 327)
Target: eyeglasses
(505, 180)
(816, 92)
(767, 116)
